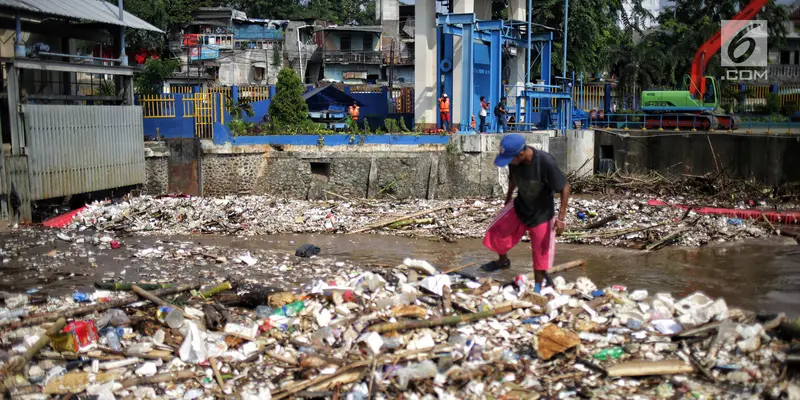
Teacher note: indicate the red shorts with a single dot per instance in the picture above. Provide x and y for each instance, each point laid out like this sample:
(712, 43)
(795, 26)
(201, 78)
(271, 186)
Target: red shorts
(445, 117)
(506, 231)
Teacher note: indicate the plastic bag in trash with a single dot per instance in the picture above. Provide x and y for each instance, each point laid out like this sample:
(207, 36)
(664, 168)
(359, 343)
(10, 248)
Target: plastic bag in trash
(113, 317)
(307, 250)
(193, 349)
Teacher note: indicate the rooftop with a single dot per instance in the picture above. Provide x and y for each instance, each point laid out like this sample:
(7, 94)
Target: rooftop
(83, 10)
(352, 28)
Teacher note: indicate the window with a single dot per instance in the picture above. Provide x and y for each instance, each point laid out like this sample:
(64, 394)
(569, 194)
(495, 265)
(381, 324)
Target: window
(784, 57)
(344, 43)
(258, 73)
(368, 42)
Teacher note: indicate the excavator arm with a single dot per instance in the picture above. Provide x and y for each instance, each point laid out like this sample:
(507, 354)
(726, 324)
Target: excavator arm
(697, 83)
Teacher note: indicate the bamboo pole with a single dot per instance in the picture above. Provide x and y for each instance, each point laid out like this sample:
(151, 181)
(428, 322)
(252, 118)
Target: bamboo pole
(431, 323)
(19, 362)
(215, 368)
(73, 312)
(389, 222)
(149, 296)
(160, 378)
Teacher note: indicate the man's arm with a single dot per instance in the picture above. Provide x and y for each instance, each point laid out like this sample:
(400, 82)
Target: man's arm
(562, 210)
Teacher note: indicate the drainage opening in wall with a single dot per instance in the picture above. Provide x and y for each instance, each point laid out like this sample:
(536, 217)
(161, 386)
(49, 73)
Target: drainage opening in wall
(321, 169)
(606, 162)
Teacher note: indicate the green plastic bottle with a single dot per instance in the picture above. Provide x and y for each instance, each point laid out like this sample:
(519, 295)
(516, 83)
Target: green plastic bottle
(290, 309)
(609, 353)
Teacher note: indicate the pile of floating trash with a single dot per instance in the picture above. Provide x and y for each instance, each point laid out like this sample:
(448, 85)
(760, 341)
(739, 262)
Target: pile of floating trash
(633, 221)
(401, 332)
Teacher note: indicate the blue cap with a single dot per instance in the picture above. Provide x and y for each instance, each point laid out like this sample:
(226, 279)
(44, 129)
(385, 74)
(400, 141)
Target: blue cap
(510, 146)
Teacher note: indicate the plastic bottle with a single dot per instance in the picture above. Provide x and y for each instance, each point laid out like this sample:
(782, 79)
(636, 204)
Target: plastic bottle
(6, 314)
(170, 316)
(609, 353)
(423, 370)
(112, 338)
(290, 309)
(263, 312)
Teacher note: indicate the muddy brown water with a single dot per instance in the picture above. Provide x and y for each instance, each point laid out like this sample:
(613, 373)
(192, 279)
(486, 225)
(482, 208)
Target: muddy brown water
(760, 275)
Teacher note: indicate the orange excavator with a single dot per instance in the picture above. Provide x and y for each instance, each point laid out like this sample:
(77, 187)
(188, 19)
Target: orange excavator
(694, 107)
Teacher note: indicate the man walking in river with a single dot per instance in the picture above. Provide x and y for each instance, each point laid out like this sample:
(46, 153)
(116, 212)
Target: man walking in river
(536, 176)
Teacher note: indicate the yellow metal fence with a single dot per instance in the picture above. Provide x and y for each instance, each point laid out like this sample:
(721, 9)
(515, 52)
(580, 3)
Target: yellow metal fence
(158, 106)
(251, 94)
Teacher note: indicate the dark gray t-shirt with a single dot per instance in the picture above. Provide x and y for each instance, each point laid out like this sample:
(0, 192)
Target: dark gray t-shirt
(536, 182)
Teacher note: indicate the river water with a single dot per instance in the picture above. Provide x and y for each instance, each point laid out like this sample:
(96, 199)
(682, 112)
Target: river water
(759, 275)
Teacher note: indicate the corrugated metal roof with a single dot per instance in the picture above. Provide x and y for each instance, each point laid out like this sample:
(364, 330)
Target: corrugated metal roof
(89, 10)
(349, 28)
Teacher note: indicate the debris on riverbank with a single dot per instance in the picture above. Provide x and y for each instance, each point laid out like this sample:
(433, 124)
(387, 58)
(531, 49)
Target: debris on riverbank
(353, 332)
(628, 221)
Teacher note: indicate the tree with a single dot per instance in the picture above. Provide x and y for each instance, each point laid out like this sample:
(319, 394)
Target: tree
(162, 14)
(277, 59)
(684, 29)
(288, 110)
(151, 78)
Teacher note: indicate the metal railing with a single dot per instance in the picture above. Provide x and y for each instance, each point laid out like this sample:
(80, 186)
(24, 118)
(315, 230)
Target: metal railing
(250, 94)
(352, 57)
(398, 59)
(220, 41)
(784, 71)
(158, 106)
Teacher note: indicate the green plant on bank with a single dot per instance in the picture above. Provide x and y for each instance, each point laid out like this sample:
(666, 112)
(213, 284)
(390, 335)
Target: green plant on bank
(451, 147)
(276, 54)
(238, 109)
(419, 126)
(239, 127)
(765, 118)
(107, 88)
(403, 127)
(150, 79)
(288, 110)
(321, 140)
(366, 130)
(391, 125)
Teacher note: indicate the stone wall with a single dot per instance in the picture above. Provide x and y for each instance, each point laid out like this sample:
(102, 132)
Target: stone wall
(156, 167)
(462, 169)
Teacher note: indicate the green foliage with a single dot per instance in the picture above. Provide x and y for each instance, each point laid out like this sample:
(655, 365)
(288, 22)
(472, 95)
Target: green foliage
(288, 110)
(773, 104)
(151, 78)
(366, 130)
(790, 108)
(661, 57)
(391, 125)
(238, 127)
(276, 54)
(402, 124)
(238, 109)
(162, 14)
(341, 12)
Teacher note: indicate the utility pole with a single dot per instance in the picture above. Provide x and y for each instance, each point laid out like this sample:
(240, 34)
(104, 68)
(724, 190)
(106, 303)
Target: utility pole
(391, 68)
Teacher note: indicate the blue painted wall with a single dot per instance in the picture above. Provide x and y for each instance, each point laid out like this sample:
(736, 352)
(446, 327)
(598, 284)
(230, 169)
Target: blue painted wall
(374, 103)
(260, 108)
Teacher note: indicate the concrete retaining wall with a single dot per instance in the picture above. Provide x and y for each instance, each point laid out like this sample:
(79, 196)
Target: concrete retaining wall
(461, 169)
(769, 159)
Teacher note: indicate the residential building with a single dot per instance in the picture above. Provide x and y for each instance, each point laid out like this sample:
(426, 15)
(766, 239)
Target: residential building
(223, 47)
(397, 39)
(351, 54)
(784, 62)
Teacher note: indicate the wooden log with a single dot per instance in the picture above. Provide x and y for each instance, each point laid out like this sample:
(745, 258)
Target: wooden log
(405, 217)
(431, 323)
(74, 312)
(644, 368)
(159, 378)
(217, 375)
(555, 269)
(18, 363)
(155, 299)
(123, 286)
(601, 223)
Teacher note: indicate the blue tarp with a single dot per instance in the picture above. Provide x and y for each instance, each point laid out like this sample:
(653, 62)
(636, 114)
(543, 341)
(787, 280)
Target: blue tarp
(329, 98)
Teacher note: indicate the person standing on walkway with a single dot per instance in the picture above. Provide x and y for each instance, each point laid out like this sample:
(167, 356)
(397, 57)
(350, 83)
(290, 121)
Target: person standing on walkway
(484, 112)
(500, 112)
(353, 111)
(444, 112)
(536, 176)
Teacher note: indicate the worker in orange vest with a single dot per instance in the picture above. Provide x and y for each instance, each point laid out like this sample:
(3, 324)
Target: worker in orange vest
(353, 112)
(444, 112)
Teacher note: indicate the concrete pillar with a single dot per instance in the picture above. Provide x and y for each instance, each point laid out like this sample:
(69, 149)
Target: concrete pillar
(459, 7)
(425, 70)
(517, 11)
(483, 9)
